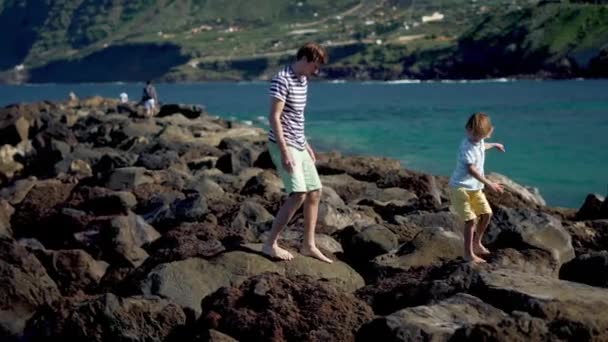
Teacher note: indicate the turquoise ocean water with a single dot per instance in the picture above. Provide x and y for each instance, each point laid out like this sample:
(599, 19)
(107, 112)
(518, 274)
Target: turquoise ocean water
(555, 132)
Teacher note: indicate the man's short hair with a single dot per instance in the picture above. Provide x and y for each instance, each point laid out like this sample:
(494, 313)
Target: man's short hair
(313, 53)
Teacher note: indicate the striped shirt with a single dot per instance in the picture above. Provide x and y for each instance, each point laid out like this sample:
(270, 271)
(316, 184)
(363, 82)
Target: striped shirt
(291, 89)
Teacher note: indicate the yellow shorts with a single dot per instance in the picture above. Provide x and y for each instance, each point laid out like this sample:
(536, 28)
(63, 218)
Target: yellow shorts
(469, 204)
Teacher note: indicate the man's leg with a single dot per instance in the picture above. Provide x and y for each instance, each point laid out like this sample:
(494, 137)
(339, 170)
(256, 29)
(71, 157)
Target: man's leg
(288, 209)
(311, 210)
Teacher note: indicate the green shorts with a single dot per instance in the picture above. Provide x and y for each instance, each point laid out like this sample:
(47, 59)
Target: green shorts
(304, 177)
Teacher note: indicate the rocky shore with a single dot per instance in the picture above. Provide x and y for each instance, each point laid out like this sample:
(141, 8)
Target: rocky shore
(118, 227)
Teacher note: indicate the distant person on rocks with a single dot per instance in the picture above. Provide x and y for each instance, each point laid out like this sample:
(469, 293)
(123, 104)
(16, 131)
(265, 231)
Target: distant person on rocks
(149, 98)
(124, 98)
(72, 97)
(291, 153)
(467, 183)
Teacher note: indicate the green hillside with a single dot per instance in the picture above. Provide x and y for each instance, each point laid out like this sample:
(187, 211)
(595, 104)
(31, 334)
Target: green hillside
(173, 40)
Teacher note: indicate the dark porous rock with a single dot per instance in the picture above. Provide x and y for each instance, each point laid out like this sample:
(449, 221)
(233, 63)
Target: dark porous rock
(557, 301)
(107, 318)
(16, 192)
(114, 203)
(157, 161)
(188, 240)
(13, 129)
(124, 237)
(253, 216)
(348, 188)
(430, 247)
(74, 271)
(533, 261)
(273, 307)
(590, 269)
(418, 183)
(445, 219)
(24, 286)
(417, 286)
(368, 169)
(370, 242)
(594, 207)
(264, 161)
(266, 184)
(433, 322)
(525, 228)
(6, 211)
(518, 327)
(189, 111)
(33, 216)
(128, 178)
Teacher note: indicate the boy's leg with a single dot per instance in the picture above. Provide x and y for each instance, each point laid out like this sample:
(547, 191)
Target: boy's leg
(288, 209)
(469, 254)
(461, 203)
(482, 209)
(482, 225)
(311, 209)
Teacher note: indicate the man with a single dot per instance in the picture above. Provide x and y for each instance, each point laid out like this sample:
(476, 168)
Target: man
(150, 98)
(291, 153)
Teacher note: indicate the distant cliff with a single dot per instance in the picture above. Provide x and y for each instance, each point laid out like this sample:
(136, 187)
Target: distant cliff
(127, 41)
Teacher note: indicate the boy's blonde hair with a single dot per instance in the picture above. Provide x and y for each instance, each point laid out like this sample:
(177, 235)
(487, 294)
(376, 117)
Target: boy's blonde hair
(479, 124)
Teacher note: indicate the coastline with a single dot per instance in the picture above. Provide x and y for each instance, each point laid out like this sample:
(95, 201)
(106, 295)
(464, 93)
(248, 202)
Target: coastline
(105, 210)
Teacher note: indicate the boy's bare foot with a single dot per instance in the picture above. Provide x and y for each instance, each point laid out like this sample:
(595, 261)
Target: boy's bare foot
(315, 253)
(482, 250)
(274, 251)
(474, 259)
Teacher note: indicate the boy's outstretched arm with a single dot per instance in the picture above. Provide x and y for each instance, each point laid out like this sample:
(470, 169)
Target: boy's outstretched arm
(498, 146)
(493, 186)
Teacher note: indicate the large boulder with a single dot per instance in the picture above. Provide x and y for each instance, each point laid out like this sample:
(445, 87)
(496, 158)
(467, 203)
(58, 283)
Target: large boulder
(188, 281)
(13, 129)
(363, 168)
(525, 228)
(34, 215)
(593, 208)
(108, 318)
(557, 301)
(189, 111)
(128, 177)
(124, 237)
(590, 269)
(434, 322)
(74, 271)
(369, 243)
(526, 193)
(277, 308)
(431, 246)
(24, 287)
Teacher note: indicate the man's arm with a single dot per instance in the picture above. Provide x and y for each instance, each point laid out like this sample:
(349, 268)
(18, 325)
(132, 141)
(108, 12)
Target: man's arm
(477, 175)
(274, 118)
(312, 153)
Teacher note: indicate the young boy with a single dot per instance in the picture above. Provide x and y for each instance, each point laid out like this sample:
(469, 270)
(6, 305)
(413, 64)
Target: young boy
(467, 183)
(291, 153)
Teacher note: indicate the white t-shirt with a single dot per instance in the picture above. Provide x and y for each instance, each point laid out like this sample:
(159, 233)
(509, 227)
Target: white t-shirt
(468, 153)
(124, 98)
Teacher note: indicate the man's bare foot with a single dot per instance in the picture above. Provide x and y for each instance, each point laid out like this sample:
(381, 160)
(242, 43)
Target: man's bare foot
(315, 253)
(482, 250)
(276, 252)
(474, 259)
